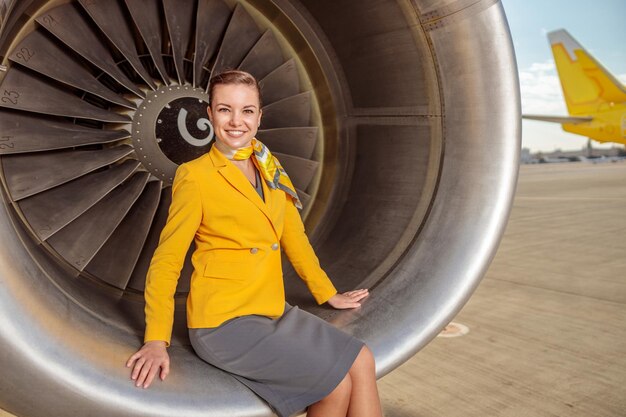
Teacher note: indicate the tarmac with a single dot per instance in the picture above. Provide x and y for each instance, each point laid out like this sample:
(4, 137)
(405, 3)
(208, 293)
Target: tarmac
(547, 324)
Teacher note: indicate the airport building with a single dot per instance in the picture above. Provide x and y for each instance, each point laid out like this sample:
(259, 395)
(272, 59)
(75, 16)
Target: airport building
(558, 155)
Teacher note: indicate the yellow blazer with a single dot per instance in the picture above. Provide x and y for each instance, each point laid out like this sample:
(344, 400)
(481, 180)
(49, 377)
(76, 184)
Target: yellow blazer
(237, 261)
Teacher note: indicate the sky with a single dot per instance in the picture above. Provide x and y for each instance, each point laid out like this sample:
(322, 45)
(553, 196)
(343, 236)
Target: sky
(599, 26)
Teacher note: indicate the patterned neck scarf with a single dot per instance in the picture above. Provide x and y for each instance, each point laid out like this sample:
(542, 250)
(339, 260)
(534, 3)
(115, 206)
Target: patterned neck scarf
(270, 168)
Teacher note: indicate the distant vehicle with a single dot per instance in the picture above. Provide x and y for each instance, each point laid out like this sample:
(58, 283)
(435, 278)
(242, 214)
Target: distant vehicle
(558, 160)
(596, 100)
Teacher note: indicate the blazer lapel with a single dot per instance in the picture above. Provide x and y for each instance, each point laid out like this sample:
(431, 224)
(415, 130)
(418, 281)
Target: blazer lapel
(238, 180)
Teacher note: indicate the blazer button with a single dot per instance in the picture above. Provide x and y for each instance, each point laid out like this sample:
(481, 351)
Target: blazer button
(254, 250)
(275, 246)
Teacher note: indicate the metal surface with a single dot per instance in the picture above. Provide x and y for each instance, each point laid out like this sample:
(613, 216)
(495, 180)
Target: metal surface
(41, 54)
(469, 212)
(180, 18)
(138, 278)
(126, 242)
(294, 111)
(145, 14)
(241, 35)
(31, 133)
(4, 8)
(296, 141)
(49, 211)
(281, 83)
(108, 15)
(265, 56)
(415, 105)
(211, 22)
(48, 170)
(79, 241)
(70, 27)
(24, 91)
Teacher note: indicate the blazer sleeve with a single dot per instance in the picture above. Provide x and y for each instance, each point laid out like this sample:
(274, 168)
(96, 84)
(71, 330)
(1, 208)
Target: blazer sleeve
(301, 255)
(185, 215)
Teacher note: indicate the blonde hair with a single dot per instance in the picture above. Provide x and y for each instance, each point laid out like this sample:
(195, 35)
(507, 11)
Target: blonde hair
(233, 77)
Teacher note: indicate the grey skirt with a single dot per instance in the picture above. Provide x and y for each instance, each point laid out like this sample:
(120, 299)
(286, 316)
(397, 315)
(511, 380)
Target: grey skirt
(291, 362)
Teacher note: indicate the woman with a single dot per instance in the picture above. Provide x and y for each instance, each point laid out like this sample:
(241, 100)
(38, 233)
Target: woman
(240, 206)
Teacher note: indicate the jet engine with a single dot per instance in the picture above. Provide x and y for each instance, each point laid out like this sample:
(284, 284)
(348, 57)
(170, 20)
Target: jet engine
(397, 120)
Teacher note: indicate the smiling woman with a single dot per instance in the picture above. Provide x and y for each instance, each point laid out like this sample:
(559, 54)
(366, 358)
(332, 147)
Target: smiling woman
(237, 313)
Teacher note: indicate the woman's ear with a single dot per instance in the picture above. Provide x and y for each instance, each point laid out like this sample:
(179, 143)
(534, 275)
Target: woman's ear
(208, 112)
(260, 114)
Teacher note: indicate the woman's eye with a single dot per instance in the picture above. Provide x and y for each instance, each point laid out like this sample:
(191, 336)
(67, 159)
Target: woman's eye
(248, 111)
(223, 110)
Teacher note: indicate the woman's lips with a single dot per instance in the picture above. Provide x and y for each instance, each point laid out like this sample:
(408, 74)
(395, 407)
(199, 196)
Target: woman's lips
(235, 133)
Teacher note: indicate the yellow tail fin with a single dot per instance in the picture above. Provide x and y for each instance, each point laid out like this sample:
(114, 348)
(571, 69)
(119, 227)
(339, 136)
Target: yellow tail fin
(587, 85)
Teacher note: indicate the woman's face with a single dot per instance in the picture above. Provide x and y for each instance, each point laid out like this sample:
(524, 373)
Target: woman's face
(235, 114)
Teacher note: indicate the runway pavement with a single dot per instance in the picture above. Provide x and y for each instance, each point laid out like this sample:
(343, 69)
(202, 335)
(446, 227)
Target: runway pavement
(547, 325)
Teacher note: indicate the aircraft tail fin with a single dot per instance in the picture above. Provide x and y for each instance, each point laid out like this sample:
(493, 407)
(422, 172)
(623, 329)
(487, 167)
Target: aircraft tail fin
(586, 83)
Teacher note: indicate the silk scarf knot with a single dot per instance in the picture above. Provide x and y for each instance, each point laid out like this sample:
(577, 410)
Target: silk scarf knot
(270, 168)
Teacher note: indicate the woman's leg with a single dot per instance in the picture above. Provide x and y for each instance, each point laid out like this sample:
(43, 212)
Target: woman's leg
(334, 404)
(364, 400)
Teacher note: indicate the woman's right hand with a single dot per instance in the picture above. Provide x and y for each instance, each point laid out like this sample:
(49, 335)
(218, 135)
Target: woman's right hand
(147, 361)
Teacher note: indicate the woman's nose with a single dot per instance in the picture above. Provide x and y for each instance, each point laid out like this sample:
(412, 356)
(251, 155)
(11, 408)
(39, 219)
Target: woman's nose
(235, 118)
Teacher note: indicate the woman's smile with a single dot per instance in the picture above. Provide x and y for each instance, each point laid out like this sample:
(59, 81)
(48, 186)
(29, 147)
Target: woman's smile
(235, 133)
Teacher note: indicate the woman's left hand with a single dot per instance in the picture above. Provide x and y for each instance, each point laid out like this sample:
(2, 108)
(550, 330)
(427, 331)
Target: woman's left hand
(348, 299)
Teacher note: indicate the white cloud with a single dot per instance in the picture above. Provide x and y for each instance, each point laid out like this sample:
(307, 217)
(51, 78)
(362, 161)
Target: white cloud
(541, 89)
(543, 66)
